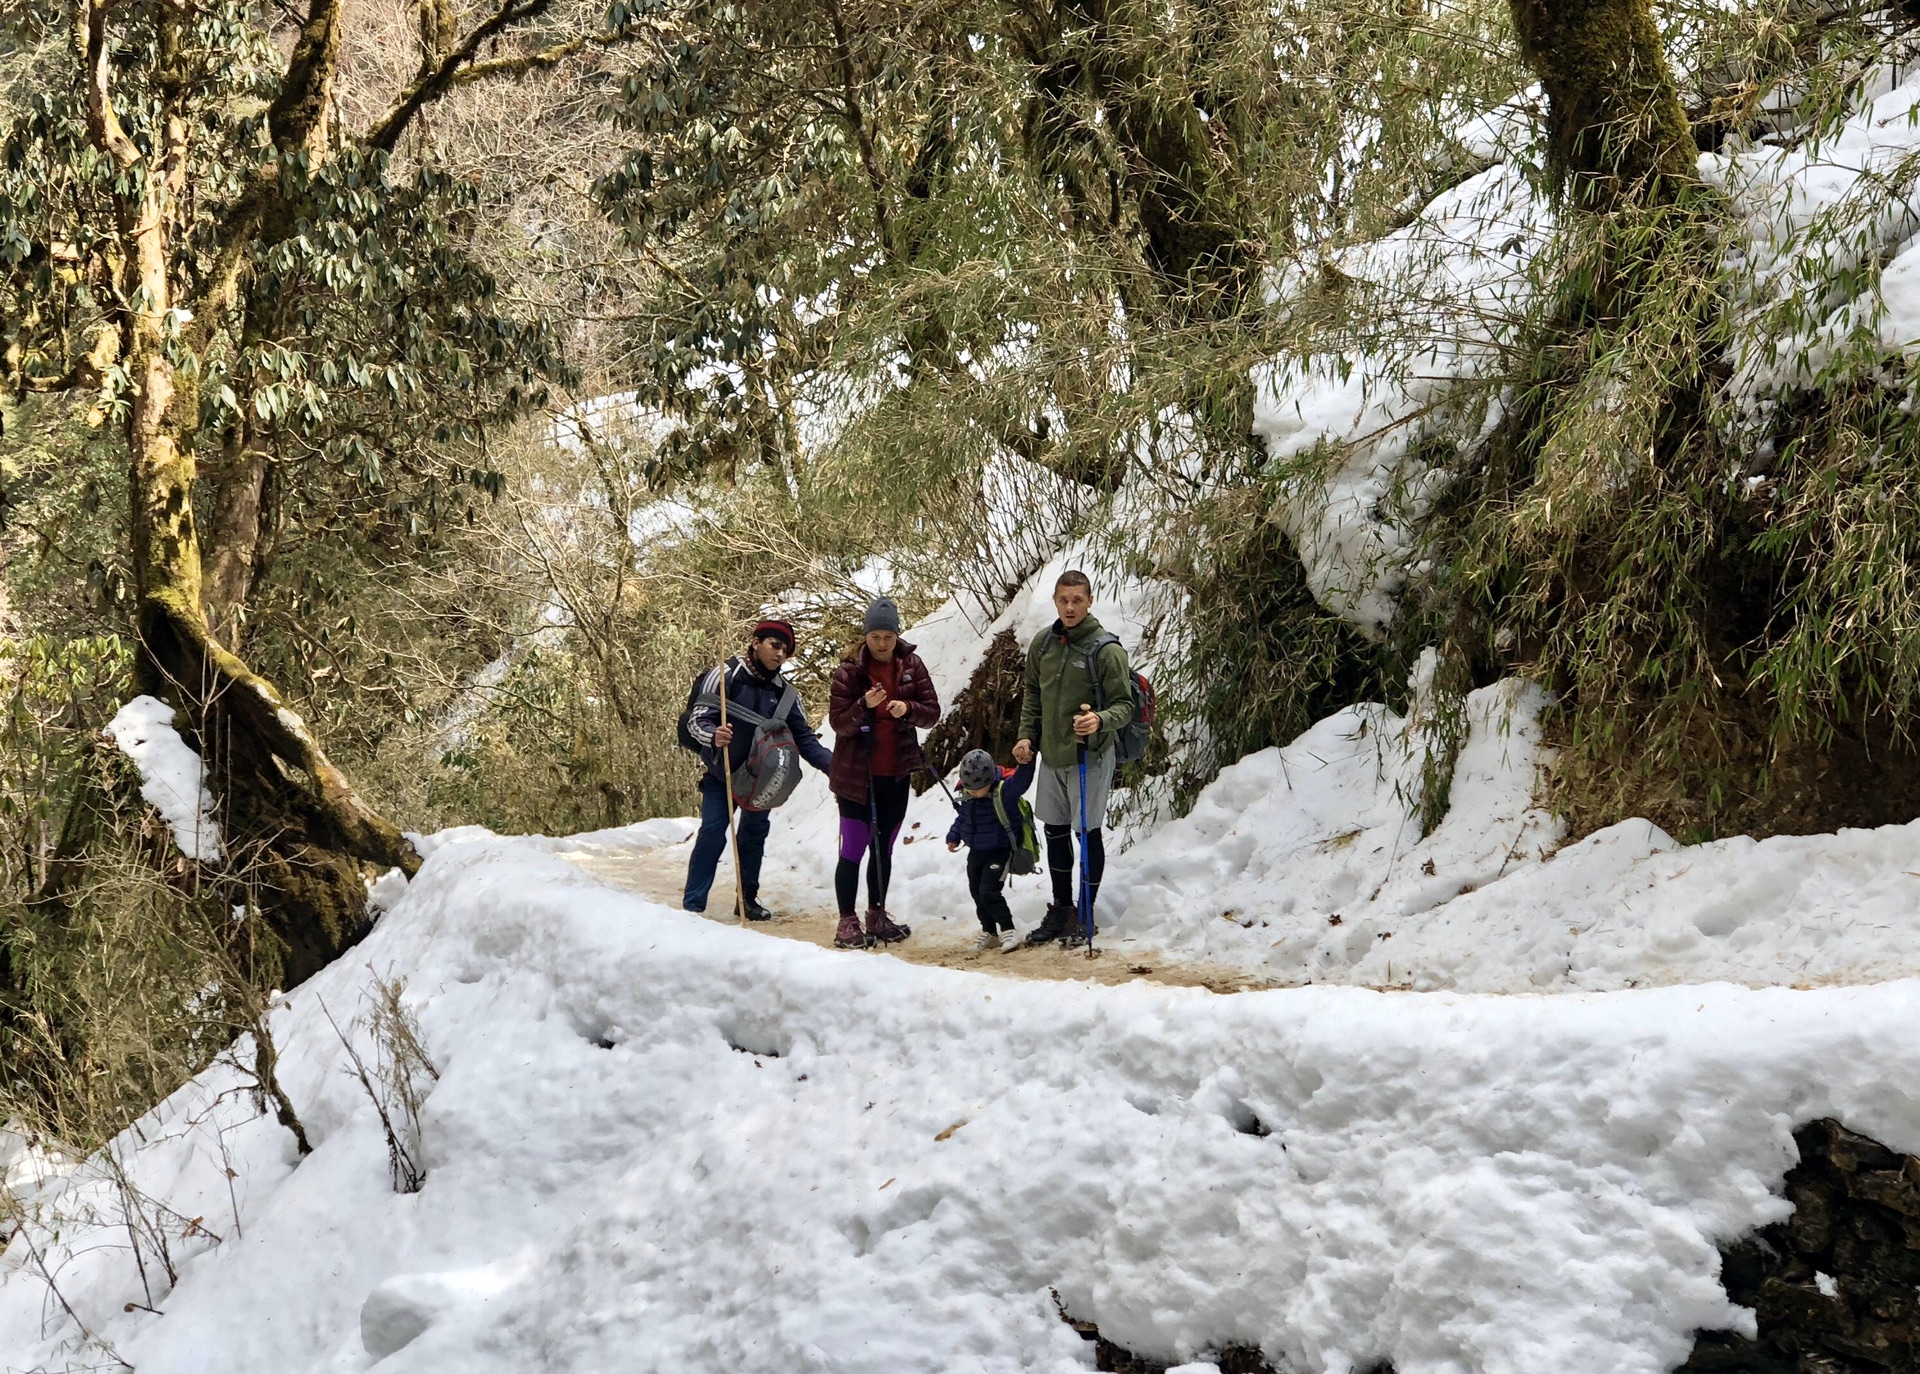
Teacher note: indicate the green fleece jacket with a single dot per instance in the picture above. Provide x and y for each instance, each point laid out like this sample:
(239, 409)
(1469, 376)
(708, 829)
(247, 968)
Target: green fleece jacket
(1059, 678)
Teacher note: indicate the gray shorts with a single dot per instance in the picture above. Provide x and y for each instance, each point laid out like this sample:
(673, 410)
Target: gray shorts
(1056, 791)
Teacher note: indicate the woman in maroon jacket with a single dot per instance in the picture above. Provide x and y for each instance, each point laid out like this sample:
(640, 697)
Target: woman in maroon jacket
(882, 698)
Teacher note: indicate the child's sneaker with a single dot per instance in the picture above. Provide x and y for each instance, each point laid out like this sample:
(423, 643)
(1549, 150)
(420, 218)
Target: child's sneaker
(989, 939)
(1009, 940)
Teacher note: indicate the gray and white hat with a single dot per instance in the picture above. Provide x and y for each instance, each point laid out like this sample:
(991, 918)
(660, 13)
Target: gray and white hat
(881, 615)
(977, 769)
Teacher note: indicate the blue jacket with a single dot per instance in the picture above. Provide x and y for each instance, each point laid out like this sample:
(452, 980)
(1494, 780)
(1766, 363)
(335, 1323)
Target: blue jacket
(976, 826)
(759, 693)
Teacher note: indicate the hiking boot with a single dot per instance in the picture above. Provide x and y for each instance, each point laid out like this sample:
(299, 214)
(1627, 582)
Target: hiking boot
(1052, 926)
(756, 912)
(882, 930)
(1009, 940)
(989, 939)
(1077, 938)
(848, 935)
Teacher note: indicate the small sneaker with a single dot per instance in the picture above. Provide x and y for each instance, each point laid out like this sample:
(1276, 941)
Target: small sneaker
(1009, 940)
(1052, 926)
(989, 939)
(848, 935)
(881, 928)
(756, 912)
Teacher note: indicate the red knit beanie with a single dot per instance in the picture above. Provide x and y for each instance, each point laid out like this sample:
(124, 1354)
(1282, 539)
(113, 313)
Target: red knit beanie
(776, 629)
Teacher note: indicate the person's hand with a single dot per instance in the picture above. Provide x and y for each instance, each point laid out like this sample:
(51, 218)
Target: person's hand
(723, 736)
(1023, 751)
(1086, 723)
(875, 695)
(896, 709)
(952, 845)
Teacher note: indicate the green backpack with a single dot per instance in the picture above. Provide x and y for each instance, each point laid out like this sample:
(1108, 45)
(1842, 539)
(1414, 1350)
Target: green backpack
(1025, 857)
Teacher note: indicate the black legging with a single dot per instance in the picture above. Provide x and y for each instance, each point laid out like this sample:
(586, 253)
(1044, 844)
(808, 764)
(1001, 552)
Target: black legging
(1060, 864)
(856, 835)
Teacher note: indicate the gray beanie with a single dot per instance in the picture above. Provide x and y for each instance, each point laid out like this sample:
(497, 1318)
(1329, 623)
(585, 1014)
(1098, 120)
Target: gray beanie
(881, 615)
(977, 769)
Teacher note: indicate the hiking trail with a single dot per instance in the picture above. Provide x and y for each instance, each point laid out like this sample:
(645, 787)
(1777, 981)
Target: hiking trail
(941, 941)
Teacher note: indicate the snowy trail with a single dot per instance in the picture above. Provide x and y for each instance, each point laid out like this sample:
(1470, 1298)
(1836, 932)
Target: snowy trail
(941, 941)
(661, 1143)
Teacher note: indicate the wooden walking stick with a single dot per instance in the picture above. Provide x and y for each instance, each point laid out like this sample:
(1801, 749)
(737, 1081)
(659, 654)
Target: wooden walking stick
(726, 781)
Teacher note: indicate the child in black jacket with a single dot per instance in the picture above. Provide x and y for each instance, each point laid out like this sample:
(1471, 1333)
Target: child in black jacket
(989, 842)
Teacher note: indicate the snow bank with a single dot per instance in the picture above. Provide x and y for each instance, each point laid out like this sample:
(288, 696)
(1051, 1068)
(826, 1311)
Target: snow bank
(1829, 263)
(172, 777)
(1351, 425)
(661, 1144)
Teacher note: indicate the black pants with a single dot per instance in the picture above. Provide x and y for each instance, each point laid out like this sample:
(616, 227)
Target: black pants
(1061, 864)
(856, 837)
(986, 875)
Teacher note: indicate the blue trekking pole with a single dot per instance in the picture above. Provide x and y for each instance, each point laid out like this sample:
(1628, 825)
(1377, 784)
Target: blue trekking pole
(1086, 894)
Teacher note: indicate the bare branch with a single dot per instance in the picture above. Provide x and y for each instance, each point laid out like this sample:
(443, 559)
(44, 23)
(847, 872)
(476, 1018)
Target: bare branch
(436, 77)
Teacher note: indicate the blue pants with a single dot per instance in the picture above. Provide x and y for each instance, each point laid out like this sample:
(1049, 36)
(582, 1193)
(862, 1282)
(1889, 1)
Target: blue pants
(712, 843)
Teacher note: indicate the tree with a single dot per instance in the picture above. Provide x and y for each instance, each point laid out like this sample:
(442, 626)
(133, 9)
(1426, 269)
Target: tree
(187, 234)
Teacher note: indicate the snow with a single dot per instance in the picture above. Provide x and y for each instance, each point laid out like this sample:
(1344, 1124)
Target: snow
(1346, 429)
(791, 1158)
(1817, 220)
(172, 777)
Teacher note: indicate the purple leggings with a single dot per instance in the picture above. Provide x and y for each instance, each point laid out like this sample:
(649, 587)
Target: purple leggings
(856, 838)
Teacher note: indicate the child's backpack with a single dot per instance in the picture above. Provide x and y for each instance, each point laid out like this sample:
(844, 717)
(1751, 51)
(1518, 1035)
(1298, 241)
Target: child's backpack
(772, 767)
(1130, 745)
(1025, 857)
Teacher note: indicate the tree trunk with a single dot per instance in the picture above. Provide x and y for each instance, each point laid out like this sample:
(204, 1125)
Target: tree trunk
(1615, 129)
(296, 833)
(236, 531)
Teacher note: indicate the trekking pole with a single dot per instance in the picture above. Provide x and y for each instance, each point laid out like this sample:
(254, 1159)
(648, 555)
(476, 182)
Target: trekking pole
(943, 786)
(726, 781)
(1086, 895)
(873, 829)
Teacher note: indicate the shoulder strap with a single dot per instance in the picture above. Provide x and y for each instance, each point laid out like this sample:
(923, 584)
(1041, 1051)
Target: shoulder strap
(749, 715)
(1093, 650)
(1000, 814)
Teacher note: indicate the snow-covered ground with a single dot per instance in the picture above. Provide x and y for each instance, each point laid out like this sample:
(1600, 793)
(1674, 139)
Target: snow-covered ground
(656, 1142)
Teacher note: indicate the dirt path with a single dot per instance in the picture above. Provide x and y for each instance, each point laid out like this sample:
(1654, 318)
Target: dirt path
(660, 874)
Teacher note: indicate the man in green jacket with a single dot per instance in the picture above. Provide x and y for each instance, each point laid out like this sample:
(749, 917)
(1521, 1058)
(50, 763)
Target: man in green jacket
(1079, 687)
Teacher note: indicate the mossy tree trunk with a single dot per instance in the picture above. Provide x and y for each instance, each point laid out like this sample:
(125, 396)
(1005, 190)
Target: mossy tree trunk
(1615, 129)
(297, 835)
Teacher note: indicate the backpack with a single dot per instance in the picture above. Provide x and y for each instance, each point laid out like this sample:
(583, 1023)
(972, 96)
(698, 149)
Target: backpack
(772, 767)
(1130, 745)
(1025, 857)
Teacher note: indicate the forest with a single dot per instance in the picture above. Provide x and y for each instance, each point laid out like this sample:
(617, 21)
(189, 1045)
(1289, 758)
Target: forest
(415, 397)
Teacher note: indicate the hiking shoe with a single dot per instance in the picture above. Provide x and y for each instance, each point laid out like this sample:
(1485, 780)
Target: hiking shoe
(848, 935)
(882, 930)
(1052, 926)
(756, 912)
(1009, 940)
(989, 939)
(1077, 938)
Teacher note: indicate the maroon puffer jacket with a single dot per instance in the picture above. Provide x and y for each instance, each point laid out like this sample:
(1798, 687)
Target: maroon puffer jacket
(848, 715)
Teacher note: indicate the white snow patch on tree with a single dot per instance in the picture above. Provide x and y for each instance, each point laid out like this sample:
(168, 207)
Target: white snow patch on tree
(172, 777)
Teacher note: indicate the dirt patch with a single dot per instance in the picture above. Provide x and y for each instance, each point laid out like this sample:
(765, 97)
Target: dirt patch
(660, 875)
(1834, 1285)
